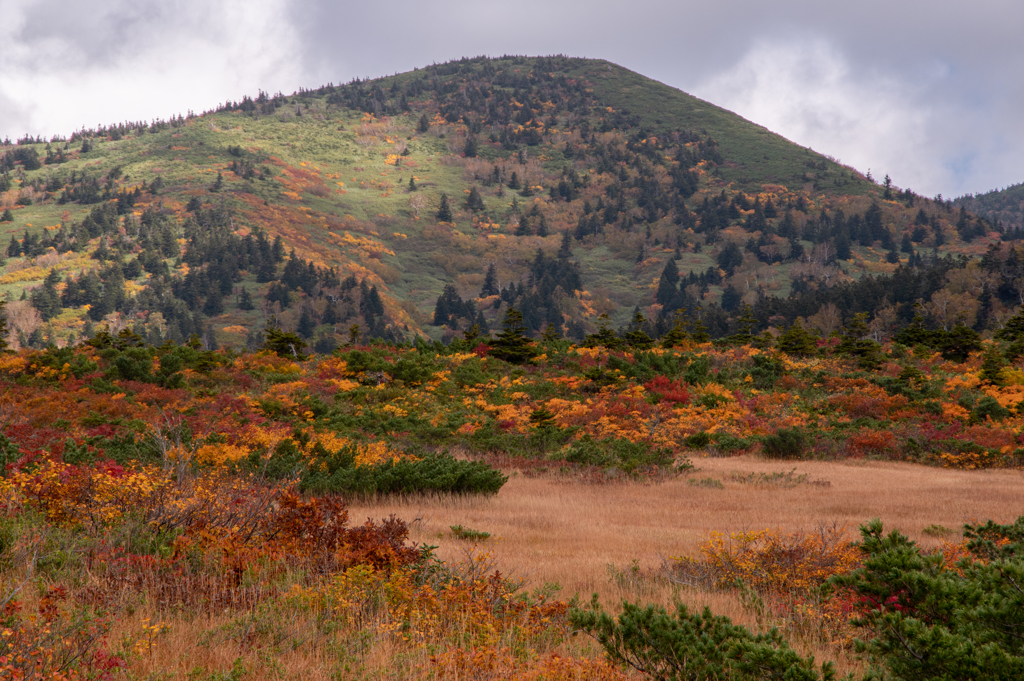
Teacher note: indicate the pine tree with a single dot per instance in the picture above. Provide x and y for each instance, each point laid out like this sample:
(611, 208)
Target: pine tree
(512, 345)
(605, 336)
(490, 287)
(474, 201)
(745, 326)
(412, 184)
(444, 211)
(797, 341)
(307, 325)
(565, 250)
(636, 338)
(7, 216)
(523, 228)
(4, 331)
(667, 285)
(677, 335)
(992, 365)
(542, 226)
(245, 301)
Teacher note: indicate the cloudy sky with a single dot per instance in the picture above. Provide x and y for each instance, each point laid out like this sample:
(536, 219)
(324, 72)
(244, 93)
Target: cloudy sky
(929, 91)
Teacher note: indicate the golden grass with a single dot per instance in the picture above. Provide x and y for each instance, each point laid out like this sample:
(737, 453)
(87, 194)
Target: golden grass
(547, 529)
(558, 529)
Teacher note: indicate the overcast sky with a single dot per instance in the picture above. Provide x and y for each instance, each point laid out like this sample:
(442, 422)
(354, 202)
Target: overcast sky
(929, 91)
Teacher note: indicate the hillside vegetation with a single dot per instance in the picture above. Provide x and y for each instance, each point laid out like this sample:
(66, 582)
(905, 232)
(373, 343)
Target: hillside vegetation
(430, 202)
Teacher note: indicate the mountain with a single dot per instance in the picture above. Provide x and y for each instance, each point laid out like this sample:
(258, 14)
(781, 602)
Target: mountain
(426, 202)
(1005, 206)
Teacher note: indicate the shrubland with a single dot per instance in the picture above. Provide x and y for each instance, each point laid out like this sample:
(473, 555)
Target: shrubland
(175, 494)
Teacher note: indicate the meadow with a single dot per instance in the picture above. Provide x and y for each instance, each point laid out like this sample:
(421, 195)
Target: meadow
(432, 511)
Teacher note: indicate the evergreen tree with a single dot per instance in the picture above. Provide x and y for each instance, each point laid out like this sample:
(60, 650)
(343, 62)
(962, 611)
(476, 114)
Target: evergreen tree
(677, 335)
(668, 285)
(843, 250)
(424, 124)
(307, 325)
(854, 342)
(565, 250)
(511, 344)
(283, 343)
(542, 225)
(523, 228)
(605, 336)
(636, 338)
(214, 303)
(992, 365)
(730, 298)
(46, 299)
(444, 211)
(4, 330)
(797, 341)
(470, 149)
(245, 301)
(474, 201)
(745, 326)
(7, 216)
(490, 287)
(412, 184)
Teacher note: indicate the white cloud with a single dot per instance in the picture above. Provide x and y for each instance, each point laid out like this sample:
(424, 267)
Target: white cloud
(69, 65)
(808, 92)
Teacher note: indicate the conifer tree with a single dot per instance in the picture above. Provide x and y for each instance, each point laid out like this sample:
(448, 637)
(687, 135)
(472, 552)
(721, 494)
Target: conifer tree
(565, 250)
(444, 211)
(677, 335)
(511, 344)
(474, 201)
(797, 341)
(605, 336)
(245, 301)
(490, 287)
(636, 338)
(4, 331)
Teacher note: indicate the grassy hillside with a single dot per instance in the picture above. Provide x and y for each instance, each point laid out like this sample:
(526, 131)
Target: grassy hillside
(572, 185)
(753, 155)
(1005, 206)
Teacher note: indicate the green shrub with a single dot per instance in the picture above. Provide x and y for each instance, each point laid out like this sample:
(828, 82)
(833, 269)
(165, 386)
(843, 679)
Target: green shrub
(460, 532)
(698, 372)
(625, 455)
(684, 646)
(786, 443)
(767, 370)
(336, 473)
(989, 407)
(697, 440)
(926, 622)
(724, 442)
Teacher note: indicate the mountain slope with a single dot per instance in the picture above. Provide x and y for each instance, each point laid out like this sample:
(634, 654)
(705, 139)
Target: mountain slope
(753, 155)
(575, 188)
(1004, 205)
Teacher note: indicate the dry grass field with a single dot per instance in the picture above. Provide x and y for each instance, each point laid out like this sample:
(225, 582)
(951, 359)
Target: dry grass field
(551, 529)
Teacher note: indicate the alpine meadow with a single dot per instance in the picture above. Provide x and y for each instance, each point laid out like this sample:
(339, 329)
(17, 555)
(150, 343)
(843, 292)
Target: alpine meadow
(518, 367)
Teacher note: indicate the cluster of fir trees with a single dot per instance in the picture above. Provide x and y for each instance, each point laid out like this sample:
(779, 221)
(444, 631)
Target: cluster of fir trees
(540, 299)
